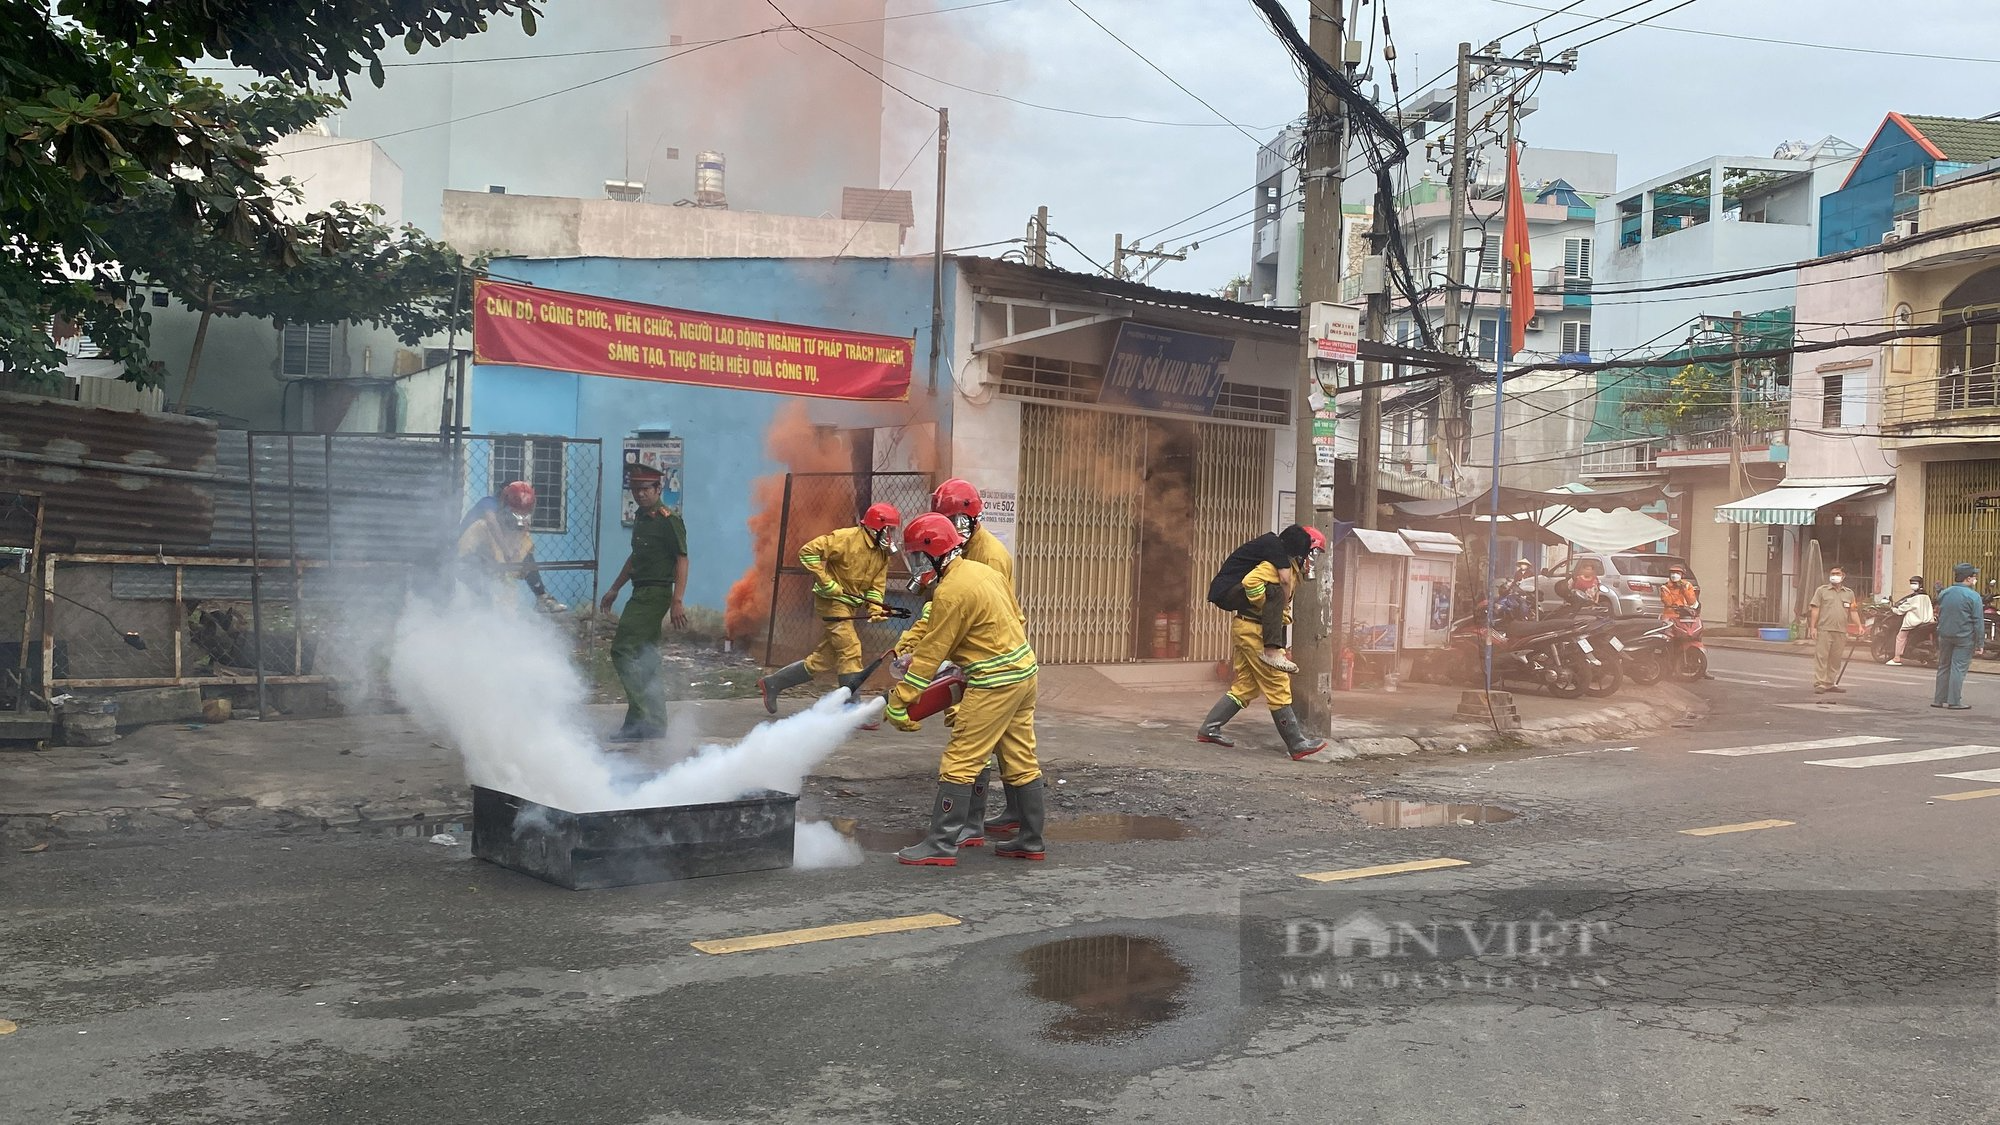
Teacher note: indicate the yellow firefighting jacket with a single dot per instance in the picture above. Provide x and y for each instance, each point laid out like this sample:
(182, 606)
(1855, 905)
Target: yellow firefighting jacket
(489, 546)
(849, 571)
(974, 625)
(1260, 576)
(983, 547)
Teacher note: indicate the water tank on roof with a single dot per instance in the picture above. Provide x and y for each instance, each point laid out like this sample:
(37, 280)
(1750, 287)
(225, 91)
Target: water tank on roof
(708, 180)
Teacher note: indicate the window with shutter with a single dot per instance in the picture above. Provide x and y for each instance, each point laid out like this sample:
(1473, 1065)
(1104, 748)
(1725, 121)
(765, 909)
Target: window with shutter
(306, 351)
(1831, 399)
(540, 462)
(1489, 253)
(1576, 337)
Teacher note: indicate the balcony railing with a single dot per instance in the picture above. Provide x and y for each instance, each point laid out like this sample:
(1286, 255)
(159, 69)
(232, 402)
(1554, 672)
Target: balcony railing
(1618, 458)
(1973, 396)
(1719, 437)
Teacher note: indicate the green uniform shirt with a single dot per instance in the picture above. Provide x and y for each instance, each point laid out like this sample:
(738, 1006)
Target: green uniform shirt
(1833, 603)
(659, 541)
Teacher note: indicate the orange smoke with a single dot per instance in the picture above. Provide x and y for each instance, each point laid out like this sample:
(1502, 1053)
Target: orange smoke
(819, 504)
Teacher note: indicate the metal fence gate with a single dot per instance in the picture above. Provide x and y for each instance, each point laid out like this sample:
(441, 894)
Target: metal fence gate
(1079, 531)
(1232, 496)
(1961, 517)
(316, 540)
(814, 504)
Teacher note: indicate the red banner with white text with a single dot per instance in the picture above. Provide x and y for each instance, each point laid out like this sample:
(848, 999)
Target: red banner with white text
(526, 326)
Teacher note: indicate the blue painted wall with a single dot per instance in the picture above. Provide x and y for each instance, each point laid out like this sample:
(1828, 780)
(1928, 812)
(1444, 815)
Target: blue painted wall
(724, 429)
(1859, 214)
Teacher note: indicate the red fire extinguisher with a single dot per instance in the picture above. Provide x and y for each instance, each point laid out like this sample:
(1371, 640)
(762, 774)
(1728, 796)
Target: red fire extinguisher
(1160, 636)
(1347, 669)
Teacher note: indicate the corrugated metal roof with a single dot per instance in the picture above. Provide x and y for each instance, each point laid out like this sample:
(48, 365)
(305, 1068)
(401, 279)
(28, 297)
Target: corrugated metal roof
(877, 205)
(1963, 140)
(109, 478)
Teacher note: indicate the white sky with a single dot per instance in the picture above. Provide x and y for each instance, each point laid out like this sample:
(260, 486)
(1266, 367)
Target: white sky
(1657, 98)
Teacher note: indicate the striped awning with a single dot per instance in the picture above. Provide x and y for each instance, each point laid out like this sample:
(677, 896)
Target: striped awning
(1788, 503)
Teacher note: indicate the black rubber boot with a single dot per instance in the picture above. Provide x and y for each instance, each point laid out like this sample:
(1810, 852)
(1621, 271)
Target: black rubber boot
(790, 676)
(1027, 843)
(1009, 820)
(973, 835)
(1211, 728)
(939, 847)
(1297, 742)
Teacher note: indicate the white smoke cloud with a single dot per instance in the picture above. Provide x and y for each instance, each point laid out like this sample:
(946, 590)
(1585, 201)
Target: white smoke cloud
(500, 685)
(819, 844)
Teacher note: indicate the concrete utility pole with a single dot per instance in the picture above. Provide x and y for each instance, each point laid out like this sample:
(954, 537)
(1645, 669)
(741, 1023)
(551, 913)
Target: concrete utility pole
(1041, 237)
(941, 438)
(1319, 182)
(1452, 426)
(1735, 462)
(1368, 443)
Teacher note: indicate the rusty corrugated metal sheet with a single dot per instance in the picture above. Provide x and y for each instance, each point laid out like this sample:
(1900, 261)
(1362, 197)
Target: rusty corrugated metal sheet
(392, 497)
(110, 479)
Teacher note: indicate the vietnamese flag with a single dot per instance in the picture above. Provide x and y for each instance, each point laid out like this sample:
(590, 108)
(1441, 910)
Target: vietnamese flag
(1514, 250)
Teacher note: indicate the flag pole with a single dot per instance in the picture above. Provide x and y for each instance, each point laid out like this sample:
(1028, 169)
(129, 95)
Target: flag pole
(1502, 347)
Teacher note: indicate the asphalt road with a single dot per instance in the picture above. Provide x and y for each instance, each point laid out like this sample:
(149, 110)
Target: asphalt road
(1834, 964)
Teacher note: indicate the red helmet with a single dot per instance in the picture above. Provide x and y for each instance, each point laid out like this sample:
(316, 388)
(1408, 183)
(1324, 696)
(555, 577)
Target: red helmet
(519, 497)
(933, 535)
(957, 497)
(881, 517)
(1317, 538)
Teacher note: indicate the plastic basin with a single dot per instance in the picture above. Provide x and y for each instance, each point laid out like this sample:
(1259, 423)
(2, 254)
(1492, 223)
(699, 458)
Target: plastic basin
(1774, 634)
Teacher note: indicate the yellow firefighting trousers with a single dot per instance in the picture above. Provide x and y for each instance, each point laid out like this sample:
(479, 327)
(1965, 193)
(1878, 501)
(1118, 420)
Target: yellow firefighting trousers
(839, 650)
(997, 722)
(1253, 676)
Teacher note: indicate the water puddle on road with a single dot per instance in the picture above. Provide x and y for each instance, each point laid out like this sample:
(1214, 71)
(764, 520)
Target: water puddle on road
(1115, 985)
(1420, 814)
(1095, 828)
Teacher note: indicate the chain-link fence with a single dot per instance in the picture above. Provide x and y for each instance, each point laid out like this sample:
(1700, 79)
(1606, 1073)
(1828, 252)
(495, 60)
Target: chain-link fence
(814, 504)
(317, 542)
(20, 543)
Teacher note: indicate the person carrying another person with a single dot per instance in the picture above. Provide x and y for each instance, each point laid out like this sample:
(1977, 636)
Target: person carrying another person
(658, 570)
(1250, 639)
(850, 569)
(1835, 615)
(1229, 590)
(1917, 609)
(958, 501)
(975, 626)
(495, 543)
(1961, 626)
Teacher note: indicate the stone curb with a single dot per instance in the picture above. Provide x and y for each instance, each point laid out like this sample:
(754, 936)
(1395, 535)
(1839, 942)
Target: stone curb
(1803, 649)
(1666, 704)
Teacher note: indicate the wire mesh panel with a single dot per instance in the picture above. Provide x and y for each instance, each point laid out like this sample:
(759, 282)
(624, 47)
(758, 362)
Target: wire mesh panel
(814, 504)
(1232, 487)
(567, 476)
(1079, 531)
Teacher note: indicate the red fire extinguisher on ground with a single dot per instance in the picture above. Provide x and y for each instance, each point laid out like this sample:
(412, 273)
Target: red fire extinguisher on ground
(1347, 669)
(1160, 635)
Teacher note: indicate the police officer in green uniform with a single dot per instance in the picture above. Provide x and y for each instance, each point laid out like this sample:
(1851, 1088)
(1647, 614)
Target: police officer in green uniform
(658, 570)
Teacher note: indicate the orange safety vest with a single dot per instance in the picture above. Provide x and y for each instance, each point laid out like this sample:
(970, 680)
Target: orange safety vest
(1677, 596)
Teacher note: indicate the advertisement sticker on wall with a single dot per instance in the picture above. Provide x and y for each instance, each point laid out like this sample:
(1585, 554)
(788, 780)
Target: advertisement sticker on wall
(654, 451)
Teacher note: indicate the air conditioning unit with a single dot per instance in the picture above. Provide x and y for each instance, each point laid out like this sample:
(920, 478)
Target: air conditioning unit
(1535, 324)
(1907, 228)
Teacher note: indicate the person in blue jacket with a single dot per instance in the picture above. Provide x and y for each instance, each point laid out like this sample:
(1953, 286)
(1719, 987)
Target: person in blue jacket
(1961, 623)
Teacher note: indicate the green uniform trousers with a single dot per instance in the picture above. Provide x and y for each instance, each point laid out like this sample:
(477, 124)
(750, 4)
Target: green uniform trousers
(635, 655)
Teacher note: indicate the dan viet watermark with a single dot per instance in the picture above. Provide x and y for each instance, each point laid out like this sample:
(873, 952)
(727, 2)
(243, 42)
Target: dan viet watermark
(1599, 946)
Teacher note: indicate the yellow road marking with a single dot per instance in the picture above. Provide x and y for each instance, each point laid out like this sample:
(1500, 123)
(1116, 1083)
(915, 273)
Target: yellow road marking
(826, 933)
(1968, 795)
(1723, 829)
(9, 1027)
(1384, 869)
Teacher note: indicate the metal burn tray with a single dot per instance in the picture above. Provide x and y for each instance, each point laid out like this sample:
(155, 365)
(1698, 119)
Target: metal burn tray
(624, 847)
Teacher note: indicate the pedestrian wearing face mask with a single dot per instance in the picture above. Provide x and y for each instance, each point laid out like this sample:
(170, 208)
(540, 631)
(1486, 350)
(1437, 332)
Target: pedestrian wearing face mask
(1916, 609)
(1960, 617)
(1832, 604)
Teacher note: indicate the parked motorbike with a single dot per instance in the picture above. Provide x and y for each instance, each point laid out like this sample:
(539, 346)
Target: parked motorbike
(1555, 655)
(1643, 644)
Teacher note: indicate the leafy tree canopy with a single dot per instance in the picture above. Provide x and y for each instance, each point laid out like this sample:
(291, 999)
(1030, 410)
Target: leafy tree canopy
(102, 124)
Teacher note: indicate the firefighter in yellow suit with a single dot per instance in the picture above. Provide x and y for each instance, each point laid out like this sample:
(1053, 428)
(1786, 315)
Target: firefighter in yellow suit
(495, 543)
(1254, 675)
(975, 625)
(958, 501)
(850, 568)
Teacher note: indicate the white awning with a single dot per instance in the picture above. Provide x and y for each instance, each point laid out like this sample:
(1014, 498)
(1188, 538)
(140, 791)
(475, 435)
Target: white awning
(1434, 542)
(1381, 542)
(1789, 503)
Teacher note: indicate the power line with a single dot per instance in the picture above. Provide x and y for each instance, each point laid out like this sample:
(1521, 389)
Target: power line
(1079, 253)
(1156, 69)
(1031, 105)
(1642, 21)
(911, 163)
(793, 24)
(1777, 42)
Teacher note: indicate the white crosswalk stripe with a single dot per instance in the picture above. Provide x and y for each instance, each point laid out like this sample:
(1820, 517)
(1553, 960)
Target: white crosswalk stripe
(1793, 747)
(1934, 754)
(1974, 775)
